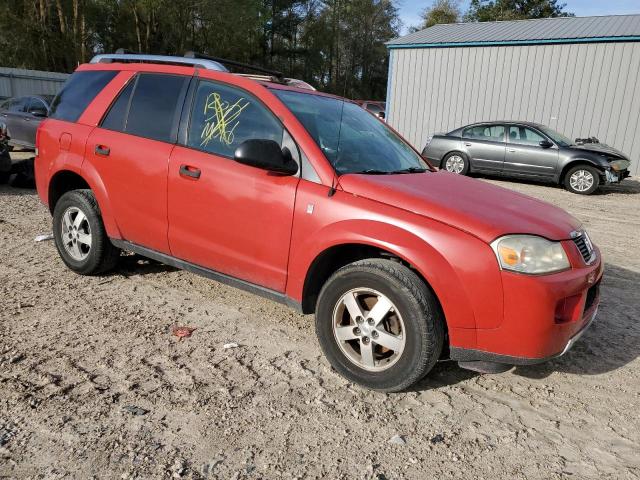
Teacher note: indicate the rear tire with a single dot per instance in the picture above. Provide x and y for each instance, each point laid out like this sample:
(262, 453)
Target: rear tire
(79, 234)
(582, 180)
(387, 348)
(456, 162)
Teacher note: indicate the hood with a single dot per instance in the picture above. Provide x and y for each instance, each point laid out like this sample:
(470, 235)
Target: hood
(600, 149)
(480, 208)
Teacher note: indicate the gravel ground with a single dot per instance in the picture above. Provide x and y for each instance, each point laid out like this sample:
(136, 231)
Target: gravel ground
(93, 384)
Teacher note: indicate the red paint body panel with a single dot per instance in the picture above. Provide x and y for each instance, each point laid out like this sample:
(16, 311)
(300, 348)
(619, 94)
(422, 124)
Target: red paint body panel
(234, 219)
(268, 229)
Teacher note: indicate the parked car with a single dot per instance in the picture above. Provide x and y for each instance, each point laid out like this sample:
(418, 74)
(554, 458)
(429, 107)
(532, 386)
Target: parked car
(306, 199)
(527, 150)
(23, 115)
(5, 159)
(376, 107)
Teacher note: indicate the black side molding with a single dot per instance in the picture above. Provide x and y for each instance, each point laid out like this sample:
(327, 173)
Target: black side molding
(211, 274)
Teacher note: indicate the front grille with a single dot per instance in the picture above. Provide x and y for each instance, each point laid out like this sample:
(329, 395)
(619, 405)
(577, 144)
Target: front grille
(583, 242)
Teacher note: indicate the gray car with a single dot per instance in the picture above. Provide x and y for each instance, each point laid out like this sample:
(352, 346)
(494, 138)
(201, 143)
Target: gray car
(23, 115)
(527, 150)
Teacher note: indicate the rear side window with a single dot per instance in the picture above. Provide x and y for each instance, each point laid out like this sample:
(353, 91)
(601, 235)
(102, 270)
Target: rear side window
(78, 93)
(223, 117)
(149, 106)
(154, 111)
(115, 118)
(493, 133)
(19, 105)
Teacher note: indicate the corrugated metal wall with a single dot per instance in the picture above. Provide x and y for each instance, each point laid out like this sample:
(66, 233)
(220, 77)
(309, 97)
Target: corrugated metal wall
(15, 82)
(580, 90)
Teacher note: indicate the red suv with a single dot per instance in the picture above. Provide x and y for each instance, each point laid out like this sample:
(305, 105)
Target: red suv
(309, 200)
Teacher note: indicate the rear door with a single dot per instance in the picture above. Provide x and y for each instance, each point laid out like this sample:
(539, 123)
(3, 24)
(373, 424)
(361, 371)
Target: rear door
(225, 216)
(485, 146)
(525, 157)
(130, 150)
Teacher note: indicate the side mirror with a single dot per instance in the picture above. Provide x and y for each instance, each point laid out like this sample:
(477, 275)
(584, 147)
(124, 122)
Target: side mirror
(267, 155)
(381, 115)
(545, 144)
(38, 112)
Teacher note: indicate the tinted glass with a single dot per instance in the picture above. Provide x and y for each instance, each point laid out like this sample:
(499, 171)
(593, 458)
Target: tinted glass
(37, 106)
(524, 135)
(154, 106)
(375, 107)
(492, 133)
(78, 92)
(352, 139)
(114, 120)
(223, 117)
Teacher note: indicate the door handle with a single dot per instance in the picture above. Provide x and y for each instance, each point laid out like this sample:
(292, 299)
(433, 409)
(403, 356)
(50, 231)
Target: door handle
(511, 150)
(103, 150)
(189, 171)
(468, 144)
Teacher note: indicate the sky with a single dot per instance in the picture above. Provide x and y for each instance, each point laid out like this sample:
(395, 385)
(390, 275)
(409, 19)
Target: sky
(410, 9)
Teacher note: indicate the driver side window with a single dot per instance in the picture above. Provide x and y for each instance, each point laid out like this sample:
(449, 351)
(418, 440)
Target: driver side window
(223, 117)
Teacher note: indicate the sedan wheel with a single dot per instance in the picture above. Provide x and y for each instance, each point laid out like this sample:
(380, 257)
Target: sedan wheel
(581, 180)
(368, 329)
(456, 163)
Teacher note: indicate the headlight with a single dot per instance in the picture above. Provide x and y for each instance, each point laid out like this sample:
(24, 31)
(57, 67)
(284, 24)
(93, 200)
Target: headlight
(530, 254)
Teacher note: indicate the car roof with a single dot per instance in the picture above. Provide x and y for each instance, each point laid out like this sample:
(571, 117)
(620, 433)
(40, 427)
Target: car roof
(503, 122)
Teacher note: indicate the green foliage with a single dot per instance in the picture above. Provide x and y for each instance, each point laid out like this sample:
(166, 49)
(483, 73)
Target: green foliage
(492, 10)
(336, 45)
(442, 11)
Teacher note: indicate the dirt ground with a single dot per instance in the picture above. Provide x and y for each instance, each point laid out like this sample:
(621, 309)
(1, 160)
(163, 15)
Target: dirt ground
(93, 384)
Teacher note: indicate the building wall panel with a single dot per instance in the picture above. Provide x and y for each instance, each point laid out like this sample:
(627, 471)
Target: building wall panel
(580, 90)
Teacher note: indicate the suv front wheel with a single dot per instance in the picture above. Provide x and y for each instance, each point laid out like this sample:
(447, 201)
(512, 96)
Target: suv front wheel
(79, 234)
(379, 324)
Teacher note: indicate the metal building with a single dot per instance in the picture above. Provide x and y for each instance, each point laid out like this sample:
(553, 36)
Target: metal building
(580, 76)
(16, 82)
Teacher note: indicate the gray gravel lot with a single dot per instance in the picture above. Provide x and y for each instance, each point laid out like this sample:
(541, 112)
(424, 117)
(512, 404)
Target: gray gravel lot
(93, 385)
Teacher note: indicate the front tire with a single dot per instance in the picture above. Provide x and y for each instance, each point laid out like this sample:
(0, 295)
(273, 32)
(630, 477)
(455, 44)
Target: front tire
(582, 179)
(456, 162)
(79, 234)
(379, 325)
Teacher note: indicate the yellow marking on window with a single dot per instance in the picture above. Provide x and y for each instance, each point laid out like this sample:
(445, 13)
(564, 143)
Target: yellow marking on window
(221, 119)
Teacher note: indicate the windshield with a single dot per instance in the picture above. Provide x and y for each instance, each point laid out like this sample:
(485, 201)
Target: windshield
(557, 137)
(353, 140)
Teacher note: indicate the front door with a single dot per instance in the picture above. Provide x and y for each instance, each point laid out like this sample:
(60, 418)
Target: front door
(526, 157)
(225, 216)
(485, 147)
(130, 151)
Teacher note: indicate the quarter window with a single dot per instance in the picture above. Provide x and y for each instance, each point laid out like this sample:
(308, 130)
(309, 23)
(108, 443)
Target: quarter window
(524, 135)
(78, 93)
(223, 117)
(492, 133)
(117, 114)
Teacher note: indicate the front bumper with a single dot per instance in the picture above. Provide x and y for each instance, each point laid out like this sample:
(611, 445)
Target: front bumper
(544, 316)
(612, 176)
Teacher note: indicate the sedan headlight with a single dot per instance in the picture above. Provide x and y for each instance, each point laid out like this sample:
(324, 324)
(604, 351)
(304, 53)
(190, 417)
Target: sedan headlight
(530, 254)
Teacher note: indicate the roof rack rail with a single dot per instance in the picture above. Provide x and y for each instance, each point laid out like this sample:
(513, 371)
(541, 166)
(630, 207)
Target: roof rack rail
(127, 56)
(233, 63)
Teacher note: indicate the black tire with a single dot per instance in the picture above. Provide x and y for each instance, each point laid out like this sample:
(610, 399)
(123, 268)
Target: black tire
(4, 177)
(588, 170)
(452, 155)
(102, 256)
(423, 322)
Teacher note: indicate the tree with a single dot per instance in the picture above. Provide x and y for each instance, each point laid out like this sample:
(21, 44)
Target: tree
(441, 11)
(492, 10)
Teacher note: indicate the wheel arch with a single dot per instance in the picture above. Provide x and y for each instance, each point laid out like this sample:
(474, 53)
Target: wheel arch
(69, 178)
(574, 162)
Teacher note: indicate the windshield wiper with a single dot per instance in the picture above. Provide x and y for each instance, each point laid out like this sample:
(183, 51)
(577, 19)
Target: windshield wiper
(373, 171)
(410, 170)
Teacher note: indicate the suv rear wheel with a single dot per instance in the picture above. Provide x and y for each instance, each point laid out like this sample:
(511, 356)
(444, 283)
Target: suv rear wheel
(379, 325)
(80, 236)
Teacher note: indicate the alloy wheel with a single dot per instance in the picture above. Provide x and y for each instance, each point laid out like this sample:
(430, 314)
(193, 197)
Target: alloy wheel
(76, 234)
(581, 180)
(368, 329)
(454, 164)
